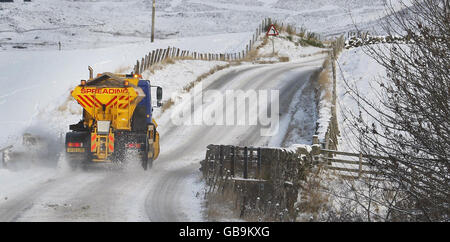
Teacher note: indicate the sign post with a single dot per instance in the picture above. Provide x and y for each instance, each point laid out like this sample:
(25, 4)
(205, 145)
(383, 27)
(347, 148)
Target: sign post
(153, 22)
(272, 32)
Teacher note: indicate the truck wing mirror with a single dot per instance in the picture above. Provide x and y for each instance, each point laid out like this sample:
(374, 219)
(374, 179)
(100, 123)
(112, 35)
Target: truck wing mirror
(159, 94)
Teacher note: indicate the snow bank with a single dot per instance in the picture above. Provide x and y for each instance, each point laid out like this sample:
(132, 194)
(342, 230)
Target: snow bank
(285, 48)
(173, 78)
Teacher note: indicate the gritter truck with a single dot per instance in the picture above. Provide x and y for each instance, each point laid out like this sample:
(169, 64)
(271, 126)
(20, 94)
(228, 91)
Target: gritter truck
(117, 117)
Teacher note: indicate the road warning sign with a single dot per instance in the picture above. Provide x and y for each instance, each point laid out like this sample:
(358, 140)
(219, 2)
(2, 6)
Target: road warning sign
(272, 31)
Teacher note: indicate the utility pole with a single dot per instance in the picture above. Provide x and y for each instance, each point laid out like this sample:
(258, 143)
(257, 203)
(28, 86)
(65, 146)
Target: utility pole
(153, 21)
(273, 46)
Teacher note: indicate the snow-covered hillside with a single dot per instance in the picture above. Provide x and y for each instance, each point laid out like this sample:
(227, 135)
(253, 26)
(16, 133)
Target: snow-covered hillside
(94, 24)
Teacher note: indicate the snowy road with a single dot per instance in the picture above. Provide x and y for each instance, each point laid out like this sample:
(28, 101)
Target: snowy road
(171, 190)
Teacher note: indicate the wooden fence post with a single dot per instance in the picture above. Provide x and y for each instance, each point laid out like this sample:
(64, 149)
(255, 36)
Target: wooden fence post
(221, 160)
(250, 156)
(137, 68)
(245, 162)
(168, 51)
(164, 55)
(157, 56)
(258, 155)
(360, 165)
(145, 62)
(315, 139)
(233, 159)
(152, 60)
(160, 55)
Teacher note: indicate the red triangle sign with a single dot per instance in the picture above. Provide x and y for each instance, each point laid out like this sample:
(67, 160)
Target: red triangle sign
(272, 31)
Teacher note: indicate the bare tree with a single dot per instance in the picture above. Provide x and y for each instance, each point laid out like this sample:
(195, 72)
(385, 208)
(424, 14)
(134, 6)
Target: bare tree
(411, 125)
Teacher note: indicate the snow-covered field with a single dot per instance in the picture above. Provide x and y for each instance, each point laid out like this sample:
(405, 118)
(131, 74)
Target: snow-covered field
(359, 72)
(103, 23)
